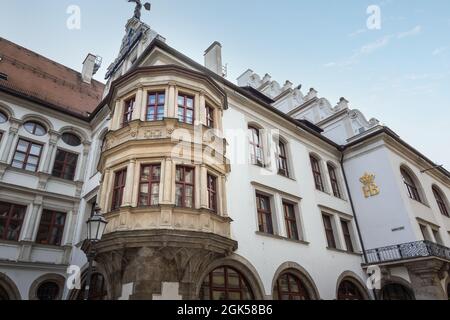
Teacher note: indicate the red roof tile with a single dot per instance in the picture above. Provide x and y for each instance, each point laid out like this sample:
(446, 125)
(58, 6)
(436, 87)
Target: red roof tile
(35, 76)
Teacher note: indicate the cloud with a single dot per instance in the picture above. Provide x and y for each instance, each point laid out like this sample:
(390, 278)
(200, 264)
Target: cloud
(439, 51)
(357, 32)
(413, 32)
(371, 47)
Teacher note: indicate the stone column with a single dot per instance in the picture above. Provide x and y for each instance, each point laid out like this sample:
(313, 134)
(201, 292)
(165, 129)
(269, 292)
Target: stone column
(82, 171)
(12, 134)
(128, 193)
(32, 219)
(222, 193)
(167, 182)
(138, 105)
(203, 187)
(53, 141)
(426, 279)
(202, 109)
(171, 102)
(69, 229)
(104, 193)
(115, 122)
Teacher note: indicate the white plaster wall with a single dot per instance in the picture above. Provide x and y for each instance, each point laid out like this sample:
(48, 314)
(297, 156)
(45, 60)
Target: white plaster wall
(268, 254)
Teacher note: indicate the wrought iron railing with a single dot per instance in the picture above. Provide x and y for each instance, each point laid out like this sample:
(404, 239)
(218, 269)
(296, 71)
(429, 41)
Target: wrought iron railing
(412, 250)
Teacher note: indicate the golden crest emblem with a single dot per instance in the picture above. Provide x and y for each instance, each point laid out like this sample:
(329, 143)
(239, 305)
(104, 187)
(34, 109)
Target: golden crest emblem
(370, 189)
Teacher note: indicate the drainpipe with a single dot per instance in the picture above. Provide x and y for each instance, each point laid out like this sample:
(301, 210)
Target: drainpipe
(342, 149)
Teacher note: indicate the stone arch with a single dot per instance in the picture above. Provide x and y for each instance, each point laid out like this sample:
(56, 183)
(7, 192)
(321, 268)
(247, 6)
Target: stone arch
(10, 287)
(240, 264)
(302, 274)
(97, 269)
(393, 280)
(7, 110)
(51, 277)
(354, 279)
(38, 118)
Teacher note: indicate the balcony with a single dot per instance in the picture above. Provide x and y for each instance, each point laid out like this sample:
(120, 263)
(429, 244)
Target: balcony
(408, 251)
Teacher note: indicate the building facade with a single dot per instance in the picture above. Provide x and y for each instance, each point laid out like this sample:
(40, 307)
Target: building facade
(211, 190)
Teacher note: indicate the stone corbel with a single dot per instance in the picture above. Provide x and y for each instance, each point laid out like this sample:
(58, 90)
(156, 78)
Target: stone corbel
(43, 180)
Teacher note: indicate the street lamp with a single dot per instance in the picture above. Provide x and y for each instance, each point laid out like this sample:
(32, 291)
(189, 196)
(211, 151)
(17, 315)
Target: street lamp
(96, 225)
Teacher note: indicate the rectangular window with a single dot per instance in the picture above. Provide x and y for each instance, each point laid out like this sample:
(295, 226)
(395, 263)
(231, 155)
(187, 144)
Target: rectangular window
(317, 174)
(27, 155)
(186, 109)
(212, 193)
(11, 220)
(119, 188)
(65, 165)
(209, 117)
(329, 231)
(424, 231)
(347, 235)
(51, 228)
(185, 183)
(155, 106)
(334, 181)
(128, 109)
(437, 237)
(291, 221)
(149, 185)
(264, 214)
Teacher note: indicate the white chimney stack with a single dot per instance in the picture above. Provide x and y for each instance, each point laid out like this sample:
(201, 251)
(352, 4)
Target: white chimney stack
(90, 67)
(213, 58)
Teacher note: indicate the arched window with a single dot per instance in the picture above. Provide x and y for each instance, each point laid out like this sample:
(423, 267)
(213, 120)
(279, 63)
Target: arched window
(290, 287)
(48, 291)
(35, 128)
(71, 139)
(315, 164)
(256, 150)
(349, 291)
(225, 283)
(334, 181)
(413, 191)
(97, 289)
(283, 168)
(3, 117)
(396, 291)
(440, 201)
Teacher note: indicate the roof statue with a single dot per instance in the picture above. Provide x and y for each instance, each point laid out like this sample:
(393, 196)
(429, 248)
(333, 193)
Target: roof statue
(138, 9)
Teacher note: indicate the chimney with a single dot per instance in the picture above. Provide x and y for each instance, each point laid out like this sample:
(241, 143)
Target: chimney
(213, 58)
(90, 67)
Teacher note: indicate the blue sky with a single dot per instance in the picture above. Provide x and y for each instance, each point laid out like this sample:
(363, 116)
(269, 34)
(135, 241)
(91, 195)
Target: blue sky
(399, 74)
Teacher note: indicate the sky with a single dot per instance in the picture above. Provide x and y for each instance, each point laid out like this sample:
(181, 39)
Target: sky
(398, 73)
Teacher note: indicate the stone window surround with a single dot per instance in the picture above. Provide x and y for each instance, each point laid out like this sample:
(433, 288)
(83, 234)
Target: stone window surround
(171, 90)
(277, 198)
(167, 190)
(50, 142)
(336, 219)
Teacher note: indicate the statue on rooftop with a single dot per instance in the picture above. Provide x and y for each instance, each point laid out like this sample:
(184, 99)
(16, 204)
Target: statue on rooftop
(138, 9)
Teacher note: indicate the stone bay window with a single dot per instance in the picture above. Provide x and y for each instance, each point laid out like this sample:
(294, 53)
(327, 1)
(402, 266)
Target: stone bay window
(155, 195)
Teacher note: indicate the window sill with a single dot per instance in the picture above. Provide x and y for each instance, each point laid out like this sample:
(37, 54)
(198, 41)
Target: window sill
(419, 202)
(276, 237)
(345, 251)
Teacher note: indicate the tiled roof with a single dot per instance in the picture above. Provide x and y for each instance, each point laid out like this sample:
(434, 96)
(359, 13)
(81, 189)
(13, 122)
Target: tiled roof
(32, 75)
